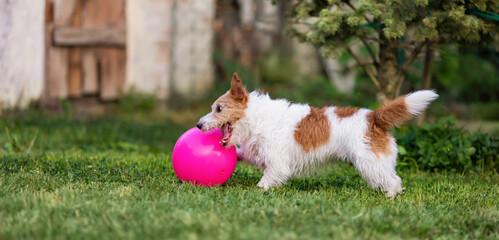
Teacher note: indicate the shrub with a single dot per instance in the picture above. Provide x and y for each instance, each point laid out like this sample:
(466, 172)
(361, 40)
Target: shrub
(458, 72)
(444, 145)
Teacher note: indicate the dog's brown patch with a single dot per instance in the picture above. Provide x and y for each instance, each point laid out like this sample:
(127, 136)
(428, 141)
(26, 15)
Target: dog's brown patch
(232, 109)
(378, 137)
(313, 130)
(392, 114)
(343, 112)
(380, 121)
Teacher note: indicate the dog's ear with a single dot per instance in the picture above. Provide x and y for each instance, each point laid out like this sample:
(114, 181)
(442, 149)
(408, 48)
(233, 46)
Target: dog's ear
(237, 90)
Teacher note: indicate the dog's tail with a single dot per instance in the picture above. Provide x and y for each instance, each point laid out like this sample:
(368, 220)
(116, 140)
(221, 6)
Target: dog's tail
(402, 109)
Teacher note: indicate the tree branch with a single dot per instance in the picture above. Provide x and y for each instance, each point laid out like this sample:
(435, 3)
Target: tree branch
(412, 57)
(368, 72)
(426, 79)
(350, 5)
(366, 44)
(374, 39)
(405, 67)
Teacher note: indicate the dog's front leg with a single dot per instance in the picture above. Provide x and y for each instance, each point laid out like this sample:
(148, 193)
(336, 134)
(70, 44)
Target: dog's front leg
(240, 154)
(273, 177)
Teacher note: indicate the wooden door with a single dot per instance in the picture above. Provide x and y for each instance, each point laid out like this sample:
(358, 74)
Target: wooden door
(86, 48)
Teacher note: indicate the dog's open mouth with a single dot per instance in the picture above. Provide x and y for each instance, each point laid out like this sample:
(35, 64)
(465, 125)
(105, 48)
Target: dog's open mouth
(226, 133)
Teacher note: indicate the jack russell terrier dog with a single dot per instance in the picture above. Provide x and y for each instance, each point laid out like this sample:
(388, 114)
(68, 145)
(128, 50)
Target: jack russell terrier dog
(286, 139)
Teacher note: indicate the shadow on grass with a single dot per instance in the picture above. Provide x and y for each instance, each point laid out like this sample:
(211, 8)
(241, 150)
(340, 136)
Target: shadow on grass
(337, 176)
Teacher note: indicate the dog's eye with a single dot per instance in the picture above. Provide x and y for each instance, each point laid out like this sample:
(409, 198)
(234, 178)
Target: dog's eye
(219, 108)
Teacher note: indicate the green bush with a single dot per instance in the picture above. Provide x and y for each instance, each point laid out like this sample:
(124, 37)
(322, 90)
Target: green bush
(445, 146)
(467, 76)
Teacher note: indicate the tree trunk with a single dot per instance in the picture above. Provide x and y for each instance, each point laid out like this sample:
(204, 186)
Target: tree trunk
(149, 46)
(192, 39)
(343, 82)
(426, 80)
(305, 61)
(387, 70)
(267, 25)
(21, 52)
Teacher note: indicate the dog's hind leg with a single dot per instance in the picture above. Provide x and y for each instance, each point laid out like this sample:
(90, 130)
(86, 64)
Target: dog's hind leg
(380, 173)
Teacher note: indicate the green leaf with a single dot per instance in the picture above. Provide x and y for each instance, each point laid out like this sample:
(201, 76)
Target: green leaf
(402, 150)
(469, 151)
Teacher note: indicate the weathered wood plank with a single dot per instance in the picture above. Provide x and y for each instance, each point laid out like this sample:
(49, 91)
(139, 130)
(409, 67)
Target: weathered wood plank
(64, 11)
(112, 73)
(57, 73)
(75, 73)
(90, 75)
(109, 62)
(71, 36)
(104, 14)
(57, 57)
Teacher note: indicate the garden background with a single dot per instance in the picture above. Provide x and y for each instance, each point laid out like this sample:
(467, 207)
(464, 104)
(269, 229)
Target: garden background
(94, 95)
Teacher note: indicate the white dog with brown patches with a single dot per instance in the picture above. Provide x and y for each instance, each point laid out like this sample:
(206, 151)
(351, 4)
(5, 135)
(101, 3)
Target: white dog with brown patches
(286, 139)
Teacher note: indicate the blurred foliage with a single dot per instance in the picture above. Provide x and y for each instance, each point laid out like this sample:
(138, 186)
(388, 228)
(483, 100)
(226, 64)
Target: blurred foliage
(278, 77)
(466, 76)
(316, 92)
(485, 111)
(401, 29)
(137, 102)
(445, 146)
(225, 68)
(333, 24)
(276, 68)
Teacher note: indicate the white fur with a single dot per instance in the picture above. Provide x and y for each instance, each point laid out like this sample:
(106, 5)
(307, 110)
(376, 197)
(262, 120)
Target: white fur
(417, 101)
(265, 136)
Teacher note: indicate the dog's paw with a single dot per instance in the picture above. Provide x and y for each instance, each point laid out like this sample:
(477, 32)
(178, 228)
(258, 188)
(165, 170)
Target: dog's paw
(394, 191)
(395, 188)
(262, 184)
(391, 194)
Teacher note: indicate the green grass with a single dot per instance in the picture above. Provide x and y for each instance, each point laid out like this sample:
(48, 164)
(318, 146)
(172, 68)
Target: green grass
(112, 179)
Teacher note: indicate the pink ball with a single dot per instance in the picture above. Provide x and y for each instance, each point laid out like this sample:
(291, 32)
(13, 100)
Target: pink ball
(199, 158)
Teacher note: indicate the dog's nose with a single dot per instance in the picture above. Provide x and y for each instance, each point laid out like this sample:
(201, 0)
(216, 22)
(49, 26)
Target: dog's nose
(199, 125)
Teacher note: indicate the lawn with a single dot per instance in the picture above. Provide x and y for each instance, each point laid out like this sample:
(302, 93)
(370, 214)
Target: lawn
(112, 179)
